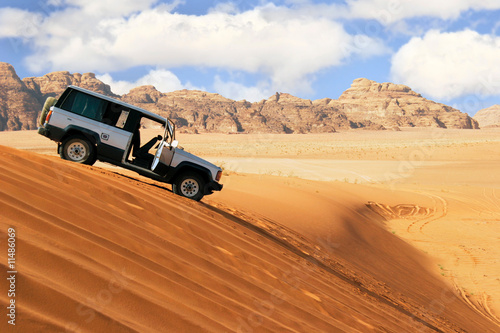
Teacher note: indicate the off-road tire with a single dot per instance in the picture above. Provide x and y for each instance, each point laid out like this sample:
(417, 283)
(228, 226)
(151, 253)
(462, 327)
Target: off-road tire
(189, 185)
(49, 102)
(78, 149)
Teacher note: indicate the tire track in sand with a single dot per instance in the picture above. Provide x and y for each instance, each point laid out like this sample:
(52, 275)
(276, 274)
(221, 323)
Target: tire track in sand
(443, 208)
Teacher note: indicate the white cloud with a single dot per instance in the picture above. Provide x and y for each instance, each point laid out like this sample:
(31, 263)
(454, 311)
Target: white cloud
(224, 7)
(163, 80)
(390, 11)
(18, 23)
(279, 42)
(108, 8)
(237, 91)
(119, 87)
(450, 65)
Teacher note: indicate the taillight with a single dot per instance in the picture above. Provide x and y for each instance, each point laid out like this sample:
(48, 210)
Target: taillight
(219, 175)
(48, 116)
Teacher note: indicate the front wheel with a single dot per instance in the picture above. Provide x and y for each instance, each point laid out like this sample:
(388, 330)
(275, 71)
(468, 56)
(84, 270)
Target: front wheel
(79, 150)
(189, 185)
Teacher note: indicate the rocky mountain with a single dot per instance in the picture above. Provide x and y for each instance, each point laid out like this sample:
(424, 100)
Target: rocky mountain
(366, 104)
(391, 104)
(18, 105)
(53, 84)
(198, 111)
(489, 117)
(22, 100)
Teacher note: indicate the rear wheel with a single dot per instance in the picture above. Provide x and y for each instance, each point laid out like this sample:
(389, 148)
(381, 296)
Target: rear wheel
(189, 185)
(78, 149)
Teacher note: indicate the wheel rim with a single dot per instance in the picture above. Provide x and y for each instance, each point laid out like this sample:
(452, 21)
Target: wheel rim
(189, 188)
(76, 151)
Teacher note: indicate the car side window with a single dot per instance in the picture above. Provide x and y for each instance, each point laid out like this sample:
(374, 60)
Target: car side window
(116, 115)
(122, 120)
(85, 105)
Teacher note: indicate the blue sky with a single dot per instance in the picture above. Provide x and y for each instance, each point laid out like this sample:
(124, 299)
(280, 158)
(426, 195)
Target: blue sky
(447, 50)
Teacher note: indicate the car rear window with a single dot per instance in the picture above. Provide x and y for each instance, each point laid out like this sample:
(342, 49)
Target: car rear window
(84, 105)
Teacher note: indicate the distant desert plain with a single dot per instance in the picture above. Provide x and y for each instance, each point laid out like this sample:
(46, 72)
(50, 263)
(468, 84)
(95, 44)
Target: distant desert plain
(354, 231)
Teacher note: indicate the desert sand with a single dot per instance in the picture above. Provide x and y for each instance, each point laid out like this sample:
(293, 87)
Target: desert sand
(357, 231)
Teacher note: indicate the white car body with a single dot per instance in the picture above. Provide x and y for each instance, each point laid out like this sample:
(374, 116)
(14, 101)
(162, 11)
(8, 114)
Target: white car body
(89, 126)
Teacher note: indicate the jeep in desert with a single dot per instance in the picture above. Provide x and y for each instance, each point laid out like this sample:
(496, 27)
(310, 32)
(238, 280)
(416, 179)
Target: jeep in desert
(88, 126)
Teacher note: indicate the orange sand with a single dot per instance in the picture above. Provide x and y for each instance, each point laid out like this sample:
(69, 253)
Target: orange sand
(104, 250)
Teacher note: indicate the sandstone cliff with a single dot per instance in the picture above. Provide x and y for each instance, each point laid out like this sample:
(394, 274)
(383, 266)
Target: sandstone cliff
(197, 111)
(391, 105)
(18, 104)
(366, 104)
(489, 117)
(53, 84)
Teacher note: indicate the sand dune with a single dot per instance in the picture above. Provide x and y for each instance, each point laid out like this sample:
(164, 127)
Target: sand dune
(104, 250)
(354, 232)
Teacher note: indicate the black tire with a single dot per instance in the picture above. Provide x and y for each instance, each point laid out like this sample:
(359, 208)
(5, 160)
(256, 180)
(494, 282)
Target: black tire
(49, 102)
(78, 149)
(189, 185)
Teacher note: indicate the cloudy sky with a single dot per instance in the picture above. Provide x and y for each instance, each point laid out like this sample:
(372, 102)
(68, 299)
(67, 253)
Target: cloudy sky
(447, 50)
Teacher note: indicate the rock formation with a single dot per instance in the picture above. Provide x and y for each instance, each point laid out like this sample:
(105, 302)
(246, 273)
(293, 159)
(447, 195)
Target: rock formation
(489, 117)
(392, 105)
(366, 104)
(53, 84)
(197, 111)
(18, 104)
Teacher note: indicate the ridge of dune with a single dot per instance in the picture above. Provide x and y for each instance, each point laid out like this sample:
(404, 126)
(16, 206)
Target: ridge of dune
(101, 252)
(340, 219)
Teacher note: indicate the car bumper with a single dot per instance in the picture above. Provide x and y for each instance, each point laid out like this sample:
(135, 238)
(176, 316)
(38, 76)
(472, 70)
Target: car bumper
(54, 133)
(212, 186)
(44, 131)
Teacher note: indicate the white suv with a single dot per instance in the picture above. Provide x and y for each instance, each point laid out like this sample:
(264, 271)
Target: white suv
(89, 126)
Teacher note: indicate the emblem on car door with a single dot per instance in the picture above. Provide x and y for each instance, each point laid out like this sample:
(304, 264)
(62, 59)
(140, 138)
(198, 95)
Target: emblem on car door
(105, 136)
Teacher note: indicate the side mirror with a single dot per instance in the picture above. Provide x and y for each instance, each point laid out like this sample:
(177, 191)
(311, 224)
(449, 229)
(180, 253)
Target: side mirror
(174, 144)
